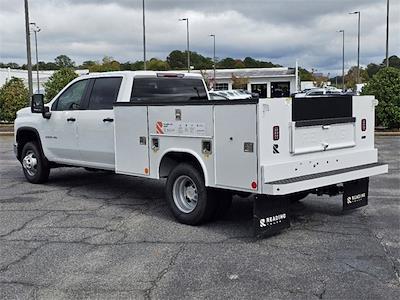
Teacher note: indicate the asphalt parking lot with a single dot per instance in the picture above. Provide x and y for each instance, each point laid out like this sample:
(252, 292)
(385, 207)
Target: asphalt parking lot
(102, 236)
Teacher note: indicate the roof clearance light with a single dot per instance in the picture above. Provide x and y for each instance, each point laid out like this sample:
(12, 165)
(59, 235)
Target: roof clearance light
(170, 75)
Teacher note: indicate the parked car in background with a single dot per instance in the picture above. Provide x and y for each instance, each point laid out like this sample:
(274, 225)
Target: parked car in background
(233, 94)
(320, 92)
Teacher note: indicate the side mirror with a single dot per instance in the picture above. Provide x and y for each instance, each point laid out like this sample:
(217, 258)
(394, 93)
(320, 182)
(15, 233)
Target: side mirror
(37, 104)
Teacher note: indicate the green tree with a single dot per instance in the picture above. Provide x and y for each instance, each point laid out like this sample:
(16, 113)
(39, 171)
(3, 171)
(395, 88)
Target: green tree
(177, 60)
(63, 61)
(58, 81)
(158, 65)
(305, 75)
(13, 96)
(385, 85)
(350, 78)
(227, 63)
(108, 64)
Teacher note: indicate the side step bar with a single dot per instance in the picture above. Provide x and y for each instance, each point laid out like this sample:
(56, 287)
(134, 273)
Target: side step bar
(307, 182)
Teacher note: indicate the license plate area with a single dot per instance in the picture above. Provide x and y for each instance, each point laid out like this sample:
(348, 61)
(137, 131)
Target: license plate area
(319, 138)
(355, 194)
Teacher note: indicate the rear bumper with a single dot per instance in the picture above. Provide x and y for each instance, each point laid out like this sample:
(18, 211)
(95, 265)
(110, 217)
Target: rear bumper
(308, 182)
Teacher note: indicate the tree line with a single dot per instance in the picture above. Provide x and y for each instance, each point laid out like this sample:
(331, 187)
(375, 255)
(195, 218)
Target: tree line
(176, 60)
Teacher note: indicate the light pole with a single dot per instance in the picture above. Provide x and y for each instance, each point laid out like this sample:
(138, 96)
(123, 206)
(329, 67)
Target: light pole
(36, 29)
(343, 87)
(187, 40)
(358, 51)
(28, 48)
(144, 37)
(387, 34)
(215, 61)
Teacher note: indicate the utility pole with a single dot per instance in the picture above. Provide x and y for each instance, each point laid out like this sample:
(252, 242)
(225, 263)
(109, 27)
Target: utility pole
(36, 29)
(343, 86)
(28, 48)
(187, 40)
(144, 37)
(387, 34)
(358, 51)
(215, 62)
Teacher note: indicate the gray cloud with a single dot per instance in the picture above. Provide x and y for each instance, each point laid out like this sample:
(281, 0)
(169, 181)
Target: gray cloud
(277, 30)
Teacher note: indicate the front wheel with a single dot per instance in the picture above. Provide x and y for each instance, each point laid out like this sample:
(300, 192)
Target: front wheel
(187, 195)
(34, 164)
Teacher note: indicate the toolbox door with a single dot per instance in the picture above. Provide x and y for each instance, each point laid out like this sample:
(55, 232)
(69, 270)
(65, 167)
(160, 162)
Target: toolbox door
(235, 146)
(131, 140)
(322, 124)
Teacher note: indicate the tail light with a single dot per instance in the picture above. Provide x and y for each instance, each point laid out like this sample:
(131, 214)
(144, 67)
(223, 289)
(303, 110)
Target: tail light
(364, 124)
(275, 133)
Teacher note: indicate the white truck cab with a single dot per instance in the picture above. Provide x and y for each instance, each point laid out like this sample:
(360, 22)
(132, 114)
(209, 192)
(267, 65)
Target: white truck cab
(163, 125)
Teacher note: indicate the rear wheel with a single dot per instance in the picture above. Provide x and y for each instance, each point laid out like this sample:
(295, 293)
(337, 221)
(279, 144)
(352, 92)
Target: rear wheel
(187, 195)
(34, 164)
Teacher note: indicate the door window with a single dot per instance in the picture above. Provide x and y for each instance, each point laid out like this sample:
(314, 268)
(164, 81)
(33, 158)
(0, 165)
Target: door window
(104, 93)
(72, 97)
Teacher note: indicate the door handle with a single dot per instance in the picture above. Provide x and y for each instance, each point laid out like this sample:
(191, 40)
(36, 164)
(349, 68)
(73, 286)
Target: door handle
(71, 120)
(108, 120)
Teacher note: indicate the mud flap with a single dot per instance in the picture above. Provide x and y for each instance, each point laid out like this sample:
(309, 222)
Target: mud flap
(270, 214)
(355, 194)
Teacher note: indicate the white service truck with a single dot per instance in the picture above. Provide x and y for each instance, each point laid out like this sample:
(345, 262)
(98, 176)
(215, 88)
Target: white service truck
(163, 125)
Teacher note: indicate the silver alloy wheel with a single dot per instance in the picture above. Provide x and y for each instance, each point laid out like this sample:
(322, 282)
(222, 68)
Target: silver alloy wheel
(185, 194)
(30, 163)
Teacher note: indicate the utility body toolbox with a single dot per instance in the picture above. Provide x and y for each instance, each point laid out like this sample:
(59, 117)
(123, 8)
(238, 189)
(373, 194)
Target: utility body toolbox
(274, 148)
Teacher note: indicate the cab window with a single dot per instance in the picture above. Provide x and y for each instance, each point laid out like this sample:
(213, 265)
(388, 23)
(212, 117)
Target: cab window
(104, 93)
(72, 97)
(168, 89)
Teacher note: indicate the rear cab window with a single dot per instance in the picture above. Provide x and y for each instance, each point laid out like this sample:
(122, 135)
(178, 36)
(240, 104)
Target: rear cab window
(176, 89)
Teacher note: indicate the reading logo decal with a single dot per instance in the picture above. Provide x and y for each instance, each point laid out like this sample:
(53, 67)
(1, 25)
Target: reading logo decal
(272, 220)
(355, 198)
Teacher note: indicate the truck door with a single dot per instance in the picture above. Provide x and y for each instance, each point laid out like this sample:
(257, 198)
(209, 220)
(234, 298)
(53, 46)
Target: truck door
(96, 122)
(60, 131)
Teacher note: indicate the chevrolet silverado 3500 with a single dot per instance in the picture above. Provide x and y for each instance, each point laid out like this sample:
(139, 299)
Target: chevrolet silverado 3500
(163, 125)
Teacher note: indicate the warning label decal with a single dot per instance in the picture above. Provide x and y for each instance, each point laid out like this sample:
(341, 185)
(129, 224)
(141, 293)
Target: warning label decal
(180, 128)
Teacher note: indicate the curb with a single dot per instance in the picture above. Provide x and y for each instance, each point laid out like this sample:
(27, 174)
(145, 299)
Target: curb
(390, 133)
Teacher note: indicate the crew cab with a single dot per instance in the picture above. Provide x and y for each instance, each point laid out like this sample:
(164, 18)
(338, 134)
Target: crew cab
(163, 125)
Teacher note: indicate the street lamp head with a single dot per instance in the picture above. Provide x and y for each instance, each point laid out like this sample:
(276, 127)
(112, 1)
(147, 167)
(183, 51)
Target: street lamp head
(354, 13)
(183, 19)
(341, 31)
(212, 35)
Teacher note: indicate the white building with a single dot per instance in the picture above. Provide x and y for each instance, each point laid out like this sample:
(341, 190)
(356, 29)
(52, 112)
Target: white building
(268, 82)
(7, 73)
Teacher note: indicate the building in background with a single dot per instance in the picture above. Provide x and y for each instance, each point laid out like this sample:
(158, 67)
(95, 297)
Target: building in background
(267, 82)
(7, 73)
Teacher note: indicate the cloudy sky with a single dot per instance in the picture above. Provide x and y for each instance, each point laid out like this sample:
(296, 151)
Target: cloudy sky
(280, 31)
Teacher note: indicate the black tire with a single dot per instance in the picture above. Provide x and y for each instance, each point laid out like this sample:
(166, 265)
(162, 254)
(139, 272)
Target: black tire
(39, 171)
(297, 197)
(204, 207)
(223, 202)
